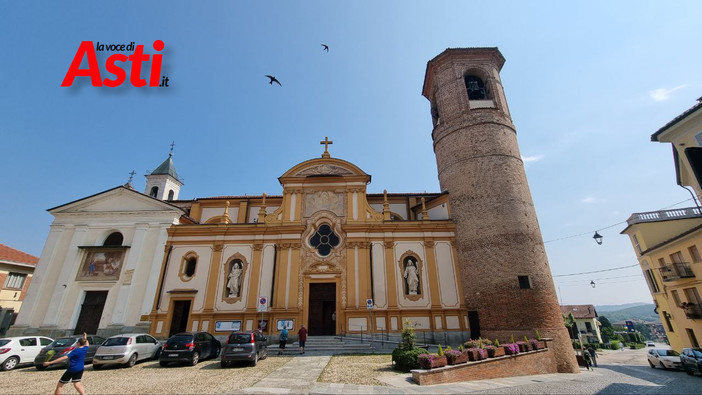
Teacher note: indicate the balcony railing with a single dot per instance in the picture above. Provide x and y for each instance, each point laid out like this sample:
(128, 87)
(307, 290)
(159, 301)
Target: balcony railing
(692, 310)
(676, 271)
(664, 215)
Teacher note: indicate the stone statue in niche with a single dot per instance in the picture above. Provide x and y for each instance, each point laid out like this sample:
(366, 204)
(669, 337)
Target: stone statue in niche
(411, 276)
(234, 281)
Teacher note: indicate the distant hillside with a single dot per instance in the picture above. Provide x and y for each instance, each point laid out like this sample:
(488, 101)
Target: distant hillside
(643, 312)
(614, 307)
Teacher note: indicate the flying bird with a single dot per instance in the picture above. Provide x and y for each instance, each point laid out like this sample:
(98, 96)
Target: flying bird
(326, 47)
(273, 79)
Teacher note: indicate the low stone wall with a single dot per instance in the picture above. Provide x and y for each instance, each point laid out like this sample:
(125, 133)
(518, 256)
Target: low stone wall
(523, 364)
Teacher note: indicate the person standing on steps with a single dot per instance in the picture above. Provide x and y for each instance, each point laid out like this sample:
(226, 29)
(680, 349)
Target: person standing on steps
(283, 340)
(76, 364)
(302, 338)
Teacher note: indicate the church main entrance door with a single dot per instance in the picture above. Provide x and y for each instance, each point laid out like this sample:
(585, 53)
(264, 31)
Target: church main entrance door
(91, 312)
(322, 309)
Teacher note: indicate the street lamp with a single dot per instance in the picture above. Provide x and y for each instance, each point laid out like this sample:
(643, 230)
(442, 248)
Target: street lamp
(598, 238)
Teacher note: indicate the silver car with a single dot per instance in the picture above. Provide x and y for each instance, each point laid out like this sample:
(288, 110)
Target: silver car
(126, 349)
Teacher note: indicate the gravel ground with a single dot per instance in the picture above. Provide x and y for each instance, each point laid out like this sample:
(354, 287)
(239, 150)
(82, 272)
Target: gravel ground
(357, 369)
(147, 377)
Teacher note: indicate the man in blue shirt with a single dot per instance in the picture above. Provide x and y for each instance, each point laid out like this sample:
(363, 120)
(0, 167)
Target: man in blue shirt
(76, 364)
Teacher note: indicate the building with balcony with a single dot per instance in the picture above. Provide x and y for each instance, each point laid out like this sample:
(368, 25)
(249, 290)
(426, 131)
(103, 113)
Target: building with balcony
(668, 242)
(586, 321)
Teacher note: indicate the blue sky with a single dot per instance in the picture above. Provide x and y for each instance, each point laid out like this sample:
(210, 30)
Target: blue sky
(587, 84)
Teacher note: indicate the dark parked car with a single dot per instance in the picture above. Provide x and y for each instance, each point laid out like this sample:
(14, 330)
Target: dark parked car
(244, 346)
(189, 347)
(691, 359)
(63, 346)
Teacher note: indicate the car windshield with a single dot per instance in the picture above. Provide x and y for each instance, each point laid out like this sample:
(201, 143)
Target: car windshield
(65, 342)
(116, 341)
(239, 338)
(697, 353)
(4, 341)
(668, 353)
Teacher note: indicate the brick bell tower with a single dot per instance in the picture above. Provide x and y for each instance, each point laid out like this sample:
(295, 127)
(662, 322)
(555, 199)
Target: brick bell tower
(505, 274)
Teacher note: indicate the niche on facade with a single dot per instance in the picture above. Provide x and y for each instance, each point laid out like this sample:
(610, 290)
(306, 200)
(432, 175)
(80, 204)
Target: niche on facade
(234, 275)
(411, 269)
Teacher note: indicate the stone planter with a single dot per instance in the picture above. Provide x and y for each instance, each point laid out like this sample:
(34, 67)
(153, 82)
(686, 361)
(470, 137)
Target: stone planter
(523, 346)
(454, 358)
(431, 361)
(495, 352)
(511, 349)
(475, 354)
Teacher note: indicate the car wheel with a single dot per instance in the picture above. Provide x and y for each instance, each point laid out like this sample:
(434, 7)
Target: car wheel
(195, 359)
(216, 354)
(265, 353)
(255, 360)
(663, 366)
(132, 360)
(97, 366)
(10, 363)
(652, 365)
(224, 364)
(163, 363)
(689, 371)
(40, 367)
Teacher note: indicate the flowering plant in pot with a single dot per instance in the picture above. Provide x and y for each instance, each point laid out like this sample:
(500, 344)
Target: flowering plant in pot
(535, 344)
(523, 346)
(511, 349)
(430, 361)
(454, 357)
(476, 354)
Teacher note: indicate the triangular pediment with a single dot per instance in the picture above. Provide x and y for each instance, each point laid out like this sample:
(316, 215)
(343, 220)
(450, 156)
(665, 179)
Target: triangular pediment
(324, 167)
(120, 199)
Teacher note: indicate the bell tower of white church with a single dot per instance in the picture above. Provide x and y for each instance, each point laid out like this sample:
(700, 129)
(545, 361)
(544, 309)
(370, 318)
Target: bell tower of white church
(163, 183)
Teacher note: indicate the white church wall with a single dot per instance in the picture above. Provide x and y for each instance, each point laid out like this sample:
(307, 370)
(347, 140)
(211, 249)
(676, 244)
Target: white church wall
(380, 286)
(198, 281)
(266, 278)
(447, 274)
(211, 212)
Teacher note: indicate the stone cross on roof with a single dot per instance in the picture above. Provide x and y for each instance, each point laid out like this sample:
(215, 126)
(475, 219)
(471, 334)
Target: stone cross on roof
(326, 143)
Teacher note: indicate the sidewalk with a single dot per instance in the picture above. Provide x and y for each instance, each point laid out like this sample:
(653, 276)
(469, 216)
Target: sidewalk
(301, 373)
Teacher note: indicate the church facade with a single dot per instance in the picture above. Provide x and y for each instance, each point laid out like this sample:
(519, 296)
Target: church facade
(466, 262)
(324, 254)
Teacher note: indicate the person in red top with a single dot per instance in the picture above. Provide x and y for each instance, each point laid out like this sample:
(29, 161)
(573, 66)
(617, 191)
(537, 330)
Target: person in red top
(302, 338)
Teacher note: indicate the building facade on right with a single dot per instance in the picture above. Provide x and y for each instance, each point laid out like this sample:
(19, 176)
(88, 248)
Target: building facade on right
(668, 242)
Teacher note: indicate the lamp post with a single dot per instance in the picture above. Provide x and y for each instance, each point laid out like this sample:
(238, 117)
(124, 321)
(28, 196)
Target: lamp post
(598, 238)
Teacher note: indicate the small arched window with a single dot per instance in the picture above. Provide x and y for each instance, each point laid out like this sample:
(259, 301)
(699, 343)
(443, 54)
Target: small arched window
(476, 88)
(190, 264)
(114, 239)
(154, 192)
(171, 194)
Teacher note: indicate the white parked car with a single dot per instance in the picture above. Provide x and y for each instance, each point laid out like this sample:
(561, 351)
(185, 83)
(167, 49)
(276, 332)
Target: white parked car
(650, 344)
(15, 351)
(126, 349)
(666, 359)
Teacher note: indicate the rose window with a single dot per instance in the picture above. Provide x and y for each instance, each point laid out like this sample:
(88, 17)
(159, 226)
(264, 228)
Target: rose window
(324, 239)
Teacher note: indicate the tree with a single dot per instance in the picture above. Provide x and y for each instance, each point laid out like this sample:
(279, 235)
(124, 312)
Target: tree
(604, 321)
(569, 322)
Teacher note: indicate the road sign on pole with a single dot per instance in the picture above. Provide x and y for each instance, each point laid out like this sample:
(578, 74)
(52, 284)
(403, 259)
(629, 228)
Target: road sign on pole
(262, 304)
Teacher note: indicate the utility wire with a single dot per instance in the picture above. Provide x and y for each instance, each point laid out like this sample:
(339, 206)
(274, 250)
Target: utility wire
(597, 271)
(602, 278)
(607, 227)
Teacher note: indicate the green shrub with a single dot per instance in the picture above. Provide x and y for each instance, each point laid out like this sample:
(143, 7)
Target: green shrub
(408, 336)
(440, 351)
(538, 335)
(576, 345)
(406, 360)
(511, 339)
(614, 345)
(497, 343)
